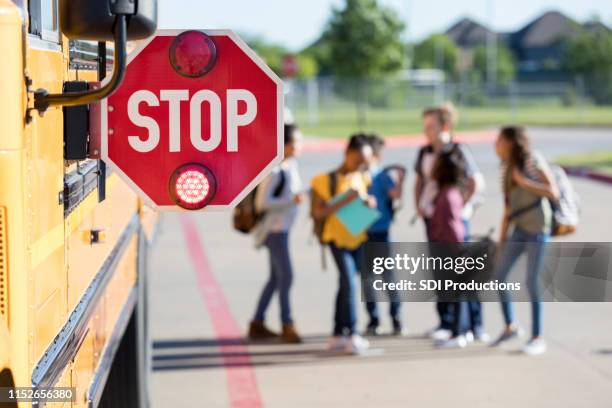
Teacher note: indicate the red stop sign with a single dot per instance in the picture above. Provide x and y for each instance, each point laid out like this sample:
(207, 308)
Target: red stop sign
(197, 121)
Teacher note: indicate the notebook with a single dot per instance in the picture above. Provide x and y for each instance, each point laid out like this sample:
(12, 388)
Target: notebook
(356, 216)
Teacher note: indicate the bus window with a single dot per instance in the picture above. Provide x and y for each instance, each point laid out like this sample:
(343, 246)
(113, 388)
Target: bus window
(43, 19)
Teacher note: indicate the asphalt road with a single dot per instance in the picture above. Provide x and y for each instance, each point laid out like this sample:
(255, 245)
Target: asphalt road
(205, 280)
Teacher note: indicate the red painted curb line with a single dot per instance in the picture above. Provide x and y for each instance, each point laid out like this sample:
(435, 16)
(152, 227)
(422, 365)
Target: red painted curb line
(589, 174)
(396, 142)
(241, 381)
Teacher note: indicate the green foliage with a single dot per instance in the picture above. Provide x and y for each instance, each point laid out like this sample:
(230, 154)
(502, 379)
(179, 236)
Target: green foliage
(439, 52)
(363, 40)
(590, 54)
(307, 66)
(506, 66)
(273, 55)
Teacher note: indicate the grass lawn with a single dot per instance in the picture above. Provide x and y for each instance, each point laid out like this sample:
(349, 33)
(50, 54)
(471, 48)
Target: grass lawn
(597, 160)
(341, 121)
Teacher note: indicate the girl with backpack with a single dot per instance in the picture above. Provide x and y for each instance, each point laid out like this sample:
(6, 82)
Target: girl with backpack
(528, 185)
(330, 192)
(276, 201)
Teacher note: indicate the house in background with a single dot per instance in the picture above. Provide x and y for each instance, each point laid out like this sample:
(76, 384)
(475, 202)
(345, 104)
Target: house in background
(538, 47)
(468, 34)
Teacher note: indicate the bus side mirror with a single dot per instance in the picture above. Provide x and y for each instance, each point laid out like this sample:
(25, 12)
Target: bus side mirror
(100, 20)
(95, 19)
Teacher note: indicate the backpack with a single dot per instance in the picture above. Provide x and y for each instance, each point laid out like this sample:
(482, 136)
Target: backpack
(394, 205)
(319, 223)
(566, 210)
(246, 216)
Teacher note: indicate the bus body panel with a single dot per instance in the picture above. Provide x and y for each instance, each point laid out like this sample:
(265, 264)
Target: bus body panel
(52, 265)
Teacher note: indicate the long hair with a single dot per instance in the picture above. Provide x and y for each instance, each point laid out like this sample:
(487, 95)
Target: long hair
(520, 149)
(449, 169)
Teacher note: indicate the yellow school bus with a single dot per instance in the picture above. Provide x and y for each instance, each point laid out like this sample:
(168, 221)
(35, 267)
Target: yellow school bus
(73, 237)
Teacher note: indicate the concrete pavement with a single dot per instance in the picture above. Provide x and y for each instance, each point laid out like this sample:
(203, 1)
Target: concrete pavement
(204, 289)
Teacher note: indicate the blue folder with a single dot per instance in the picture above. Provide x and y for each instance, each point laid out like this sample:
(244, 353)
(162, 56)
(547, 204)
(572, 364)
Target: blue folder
(356, 216)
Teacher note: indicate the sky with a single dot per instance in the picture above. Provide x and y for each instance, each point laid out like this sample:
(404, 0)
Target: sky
(297, 23)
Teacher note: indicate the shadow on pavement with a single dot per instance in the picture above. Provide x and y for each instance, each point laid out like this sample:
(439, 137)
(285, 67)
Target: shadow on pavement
(190, 354)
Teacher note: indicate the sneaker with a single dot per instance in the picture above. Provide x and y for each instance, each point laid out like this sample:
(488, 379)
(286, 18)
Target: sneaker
(290, 335)
(508, 335)
(398, 330)
(453, 343)
(372, 329)
(439, 334)
(535, 347)
(478, 336)
(482, 336)
(356, 344)
(258, 332)
(337, 343)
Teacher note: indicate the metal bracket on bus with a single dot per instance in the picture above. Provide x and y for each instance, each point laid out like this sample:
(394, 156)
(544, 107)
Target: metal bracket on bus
(43, 99)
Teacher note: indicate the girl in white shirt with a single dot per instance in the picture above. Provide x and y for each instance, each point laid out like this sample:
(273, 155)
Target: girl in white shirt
(278, 198)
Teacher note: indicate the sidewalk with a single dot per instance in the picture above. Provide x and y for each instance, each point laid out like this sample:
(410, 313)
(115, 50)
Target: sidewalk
(203, 296)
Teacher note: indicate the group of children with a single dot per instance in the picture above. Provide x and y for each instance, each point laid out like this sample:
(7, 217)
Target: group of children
(448, 186)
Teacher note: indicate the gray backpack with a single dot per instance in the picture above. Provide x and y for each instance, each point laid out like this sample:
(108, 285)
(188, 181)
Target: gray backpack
(566, 210)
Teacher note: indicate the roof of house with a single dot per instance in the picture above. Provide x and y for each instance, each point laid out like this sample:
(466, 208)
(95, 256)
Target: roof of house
(595, 26)
(545, 30)
(468, 33)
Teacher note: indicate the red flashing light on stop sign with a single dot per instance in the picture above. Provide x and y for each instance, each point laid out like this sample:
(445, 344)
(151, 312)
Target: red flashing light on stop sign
(192, 186)
(192, 54)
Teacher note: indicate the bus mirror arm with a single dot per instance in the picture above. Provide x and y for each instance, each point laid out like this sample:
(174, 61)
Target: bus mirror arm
(43, 99)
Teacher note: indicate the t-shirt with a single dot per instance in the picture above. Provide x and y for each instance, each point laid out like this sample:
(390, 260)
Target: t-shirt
(446, 224)
(426, 160)
(537, 219)
(334, 231)
(280, 211)
(382, 184)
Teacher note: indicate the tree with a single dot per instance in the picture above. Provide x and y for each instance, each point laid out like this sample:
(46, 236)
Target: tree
(437, 52)
(589, 54)
(505, 64)
(364, 42)
(273, 55)
(321, 53)
(307, 66)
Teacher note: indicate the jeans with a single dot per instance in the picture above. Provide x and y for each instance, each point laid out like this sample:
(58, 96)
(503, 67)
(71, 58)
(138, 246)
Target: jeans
(281, 276)
(473, 308)
(388, 276)
(446, 310)
(459, 317)
(348, 263)
(536, 251)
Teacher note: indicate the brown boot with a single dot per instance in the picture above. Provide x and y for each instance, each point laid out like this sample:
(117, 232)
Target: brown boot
(290, 334)
(259, 331)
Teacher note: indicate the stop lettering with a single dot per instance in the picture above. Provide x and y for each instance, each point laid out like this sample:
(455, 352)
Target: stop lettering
(204, 140)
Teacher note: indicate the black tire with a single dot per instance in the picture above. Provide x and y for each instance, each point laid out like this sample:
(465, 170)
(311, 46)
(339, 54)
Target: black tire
(6, 381)
(122, 386)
